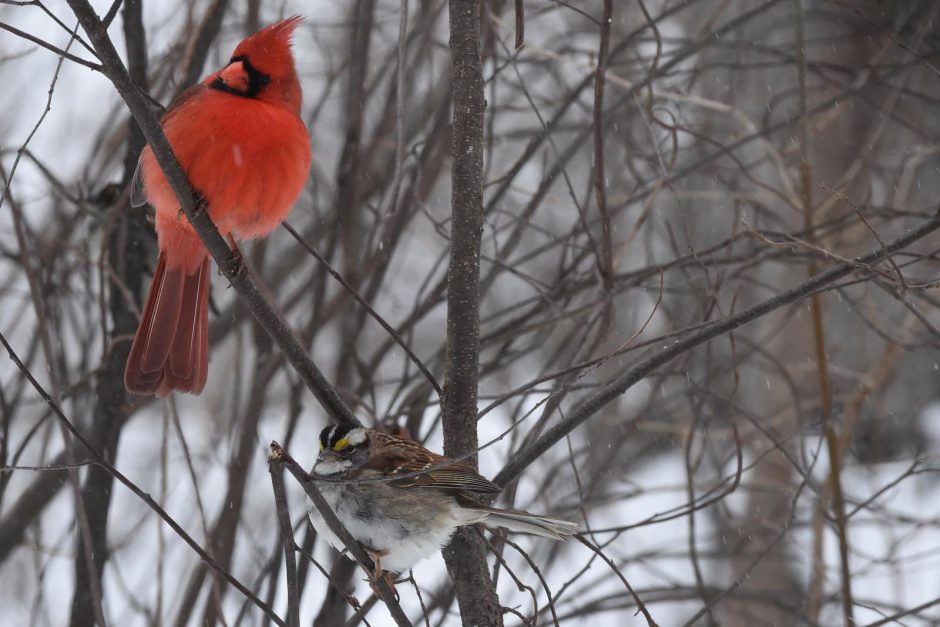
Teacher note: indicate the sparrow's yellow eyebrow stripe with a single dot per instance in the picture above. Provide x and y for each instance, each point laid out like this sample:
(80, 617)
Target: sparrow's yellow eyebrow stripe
(341, 444)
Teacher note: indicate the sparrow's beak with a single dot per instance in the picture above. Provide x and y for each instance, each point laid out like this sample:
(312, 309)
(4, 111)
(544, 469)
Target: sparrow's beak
(328, 455)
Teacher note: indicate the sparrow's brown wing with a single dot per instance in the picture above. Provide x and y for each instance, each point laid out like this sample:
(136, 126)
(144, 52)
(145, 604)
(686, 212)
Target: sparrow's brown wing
(394, 456)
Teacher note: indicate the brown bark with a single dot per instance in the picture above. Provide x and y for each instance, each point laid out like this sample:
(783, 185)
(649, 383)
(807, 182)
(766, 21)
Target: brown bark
(466, 553)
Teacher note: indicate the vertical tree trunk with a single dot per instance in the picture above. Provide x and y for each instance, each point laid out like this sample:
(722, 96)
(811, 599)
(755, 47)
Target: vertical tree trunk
(127, 256)
(466, 553)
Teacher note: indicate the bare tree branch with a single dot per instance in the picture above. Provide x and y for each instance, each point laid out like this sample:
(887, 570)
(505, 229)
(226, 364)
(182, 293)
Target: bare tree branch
(287, 539)
(465, 555)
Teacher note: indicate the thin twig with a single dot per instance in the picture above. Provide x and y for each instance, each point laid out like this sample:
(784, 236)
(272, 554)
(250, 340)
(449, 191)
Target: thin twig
(365, 304)
(287, 540)
(900, 43)
(62, 53)
(819, 334)
(400, 94)
(600, 177)
(636, 599)
(357, 607)
(48, 467)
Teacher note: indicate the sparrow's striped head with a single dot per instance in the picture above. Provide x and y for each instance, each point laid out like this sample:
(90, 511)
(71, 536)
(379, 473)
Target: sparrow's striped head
(341, 438)
(342, 448)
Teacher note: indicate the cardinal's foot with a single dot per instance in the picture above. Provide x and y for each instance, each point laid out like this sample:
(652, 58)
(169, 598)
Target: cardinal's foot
(238, 261)
(202, 205)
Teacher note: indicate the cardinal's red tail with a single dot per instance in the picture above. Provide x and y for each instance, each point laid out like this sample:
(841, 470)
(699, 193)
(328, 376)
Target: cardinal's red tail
(171, 348)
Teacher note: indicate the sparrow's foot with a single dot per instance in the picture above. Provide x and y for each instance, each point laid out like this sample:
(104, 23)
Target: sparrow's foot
(378, 574)
(376, 555)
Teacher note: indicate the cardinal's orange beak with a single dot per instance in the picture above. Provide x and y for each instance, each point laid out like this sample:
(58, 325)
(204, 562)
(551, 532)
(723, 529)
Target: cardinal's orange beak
(235, 77)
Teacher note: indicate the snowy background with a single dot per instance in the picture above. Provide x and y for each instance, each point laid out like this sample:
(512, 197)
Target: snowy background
(707, 483)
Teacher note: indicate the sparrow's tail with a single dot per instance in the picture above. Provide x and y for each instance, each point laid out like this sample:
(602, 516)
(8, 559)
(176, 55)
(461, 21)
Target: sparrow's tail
(514, 520)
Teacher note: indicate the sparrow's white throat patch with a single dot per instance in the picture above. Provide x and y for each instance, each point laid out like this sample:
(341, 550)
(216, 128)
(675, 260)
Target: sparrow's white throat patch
(331, 467)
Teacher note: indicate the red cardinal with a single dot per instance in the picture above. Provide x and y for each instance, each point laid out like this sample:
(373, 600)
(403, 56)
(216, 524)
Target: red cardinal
(241, 142)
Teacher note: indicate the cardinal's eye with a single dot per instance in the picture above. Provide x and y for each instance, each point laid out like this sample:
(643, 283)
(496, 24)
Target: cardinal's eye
(264, 79)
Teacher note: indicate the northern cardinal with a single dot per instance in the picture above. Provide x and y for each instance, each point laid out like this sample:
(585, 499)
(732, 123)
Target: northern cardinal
(240, 140)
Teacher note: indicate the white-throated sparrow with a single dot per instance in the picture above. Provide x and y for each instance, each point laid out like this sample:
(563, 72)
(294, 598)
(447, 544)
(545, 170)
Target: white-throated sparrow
(403, 520)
